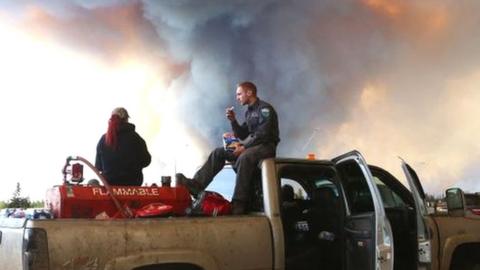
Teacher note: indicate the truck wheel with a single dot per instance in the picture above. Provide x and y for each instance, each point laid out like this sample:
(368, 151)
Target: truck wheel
(465, 257)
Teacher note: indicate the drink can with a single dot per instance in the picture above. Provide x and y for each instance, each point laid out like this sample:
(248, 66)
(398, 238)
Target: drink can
(166, 181)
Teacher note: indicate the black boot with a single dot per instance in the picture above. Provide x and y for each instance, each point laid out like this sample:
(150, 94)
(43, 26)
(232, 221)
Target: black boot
(192, 186)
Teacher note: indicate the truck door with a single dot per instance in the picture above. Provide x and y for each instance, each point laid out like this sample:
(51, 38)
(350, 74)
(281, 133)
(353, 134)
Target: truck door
(368, 235)
(424, 239)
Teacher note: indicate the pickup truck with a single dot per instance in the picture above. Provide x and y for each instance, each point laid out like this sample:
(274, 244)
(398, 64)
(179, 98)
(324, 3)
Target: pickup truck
(344, 214)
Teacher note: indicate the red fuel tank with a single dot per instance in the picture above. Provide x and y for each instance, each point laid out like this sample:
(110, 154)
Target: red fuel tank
(78, 201)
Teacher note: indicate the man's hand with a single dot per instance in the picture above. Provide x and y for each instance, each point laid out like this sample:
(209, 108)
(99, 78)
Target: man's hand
(239, 150)
(230, 114)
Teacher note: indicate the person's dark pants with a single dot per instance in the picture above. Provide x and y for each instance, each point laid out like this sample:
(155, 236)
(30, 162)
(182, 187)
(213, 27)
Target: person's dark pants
(245, 166)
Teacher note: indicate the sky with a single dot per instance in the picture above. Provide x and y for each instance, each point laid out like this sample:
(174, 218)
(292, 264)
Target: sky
(390, 78)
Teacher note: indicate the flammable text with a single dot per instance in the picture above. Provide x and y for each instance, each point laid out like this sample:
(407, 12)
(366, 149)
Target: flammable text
(126, 192)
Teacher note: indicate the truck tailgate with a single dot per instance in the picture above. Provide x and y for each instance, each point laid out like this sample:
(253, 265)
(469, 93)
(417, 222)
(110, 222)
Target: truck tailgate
(228, 242)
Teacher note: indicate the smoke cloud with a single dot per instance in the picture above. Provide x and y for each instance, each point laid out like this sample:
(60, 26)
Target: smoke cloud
(387, 77)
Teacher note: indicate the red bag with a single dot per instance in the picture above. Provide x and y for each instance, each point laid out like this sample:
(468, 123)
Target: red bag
(211, 203)
(154, 210)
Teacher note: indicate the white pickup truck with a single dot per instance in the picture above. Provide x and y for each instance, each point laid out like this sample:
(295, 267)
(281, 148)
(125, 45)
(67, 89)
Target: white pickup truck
(344, 215)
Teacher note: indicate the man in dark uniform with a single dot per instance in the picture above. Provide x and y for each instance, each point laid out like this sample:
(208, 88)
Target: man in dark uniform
(260, 136)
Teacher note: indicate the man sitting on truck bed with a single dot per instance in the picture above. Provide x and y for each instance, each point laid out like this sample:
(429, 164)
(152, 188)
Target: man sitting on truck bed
(121, 152)
(260, 135)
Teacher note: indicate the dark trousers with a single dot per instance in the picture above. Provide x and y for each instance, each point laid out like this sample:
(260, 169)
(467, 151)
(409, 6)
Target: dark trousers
(245, 166)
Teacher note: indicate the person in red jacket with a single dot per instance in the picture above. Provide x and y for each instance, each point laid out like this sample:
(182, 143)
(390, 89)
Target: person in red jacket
(121, 152)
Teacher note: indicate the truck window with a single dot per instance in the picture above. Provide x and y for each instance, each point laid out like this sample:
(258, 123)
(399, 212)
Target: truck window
(356, 188)
(306, 179)
(299, 192)
(389, 197)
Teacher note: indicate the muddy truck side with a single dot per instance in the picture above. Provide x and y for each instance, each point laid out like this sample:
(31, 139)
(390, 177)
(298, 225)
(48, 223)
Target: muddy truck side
(343, 214)
(455, 236)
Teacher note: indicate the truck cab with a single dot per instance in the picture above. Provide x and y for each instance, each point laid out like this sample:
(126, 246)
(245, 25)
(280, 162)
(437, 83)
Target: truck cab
(345, 214)
(336, 218)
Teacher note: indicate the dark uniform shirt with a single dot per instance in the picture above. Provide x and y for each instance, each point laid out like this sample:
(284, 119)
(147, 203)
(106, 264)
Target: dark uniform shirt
(260, 126)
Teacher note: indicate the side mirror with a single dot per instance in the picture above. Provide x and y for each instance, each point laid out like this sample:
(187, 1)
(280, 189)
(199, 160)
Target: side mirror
(455, 201)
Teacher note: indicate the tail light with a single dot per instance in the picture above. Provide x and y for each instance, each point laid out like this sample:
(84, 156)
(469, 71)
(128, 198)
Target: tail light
(35, 249)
